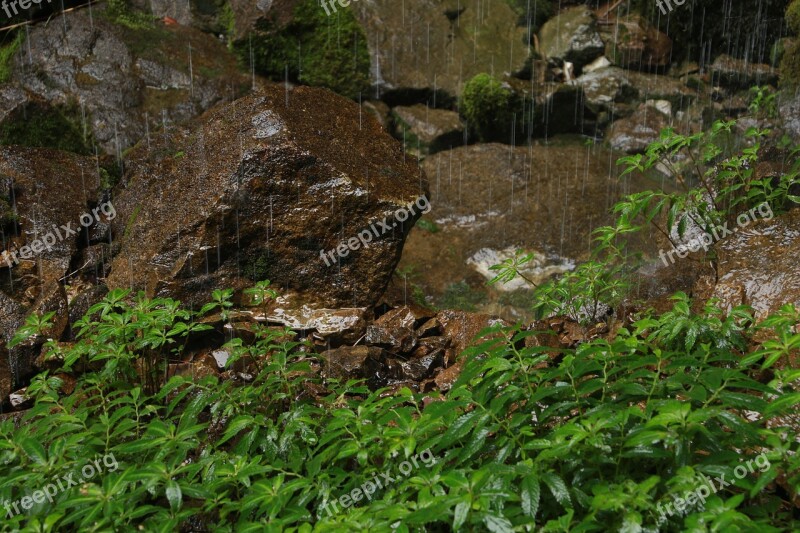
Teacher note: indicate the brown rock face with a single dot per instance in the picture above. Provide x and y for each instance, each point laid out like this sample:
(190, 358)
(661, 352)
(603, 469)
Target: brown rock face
(278, 185)
(758, 265)
(47, 190)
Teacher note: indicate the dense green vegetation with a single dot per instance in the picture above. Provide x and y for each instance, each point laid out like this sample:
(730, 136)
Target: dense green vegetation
(600, 437)
(718, 182)
(590, 439)
(313, 48)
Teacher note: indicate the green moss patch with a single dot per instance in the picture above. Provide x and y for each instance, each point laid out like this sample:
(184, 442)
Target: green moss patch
(7, 52)
(39, 125)
(313, 48)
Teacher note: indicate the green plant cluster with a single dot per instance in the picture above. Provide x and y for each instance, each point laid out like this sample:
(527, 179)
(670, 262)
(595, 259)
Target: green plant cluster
(120, 12)
(489, 107)
(717, 182)
(529, 438)
(228, 21)
(763, 102)
(313, 48)
(7, 215)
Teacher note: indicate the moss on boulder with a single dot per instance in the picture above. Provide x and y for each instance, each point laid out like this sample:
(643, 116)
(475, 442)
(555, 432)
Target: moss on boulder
(38, 124)
(488, 107)
(311, 47)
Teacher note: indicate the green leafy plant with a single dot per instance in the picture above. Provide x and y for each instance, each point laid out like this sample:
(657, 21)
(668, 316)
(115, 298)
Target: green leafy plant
(763, 101)
(594, 438)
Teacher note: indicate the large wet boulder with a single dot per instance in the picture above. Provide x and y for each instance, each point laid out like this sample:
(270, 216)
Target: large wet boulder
(632, 42)
(758, 264)
(789, 113)
(572, 36)
(117, 82)
(53, 200)
(417, 47)
(295, 186)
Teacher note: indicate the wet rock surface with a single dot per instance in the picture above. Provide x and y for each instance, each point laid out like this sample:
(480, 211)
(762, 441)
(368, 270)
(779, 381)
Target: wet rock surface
(50, 192)
(122, 81)
(571, 36)
(426, 131)
(758, 265)
(740, 73)
(418, 47)
(634, 134)
(632, 42)
(490, 197)
(285, 186)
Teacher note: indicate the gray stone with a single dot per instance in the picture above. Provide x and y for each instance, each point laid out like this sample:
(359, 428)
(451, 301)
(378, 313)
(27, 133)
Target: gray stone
(572, 36)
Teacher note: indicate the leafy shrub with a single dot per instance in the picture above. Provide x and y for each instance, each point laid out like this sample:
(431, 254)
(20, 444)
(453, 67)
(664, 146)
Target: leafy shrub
(427, 225)
(718, 182)
(488, 107)
(587, 439)
(314, 48)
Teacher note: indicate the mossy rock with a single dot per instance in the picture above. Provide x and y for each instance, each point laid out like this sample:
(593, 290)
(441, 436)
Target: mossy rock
(793, 17)
(488, 106)
(37, 124)
(312, 48)
(9, 44)
(461, 296)
(790, 66)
